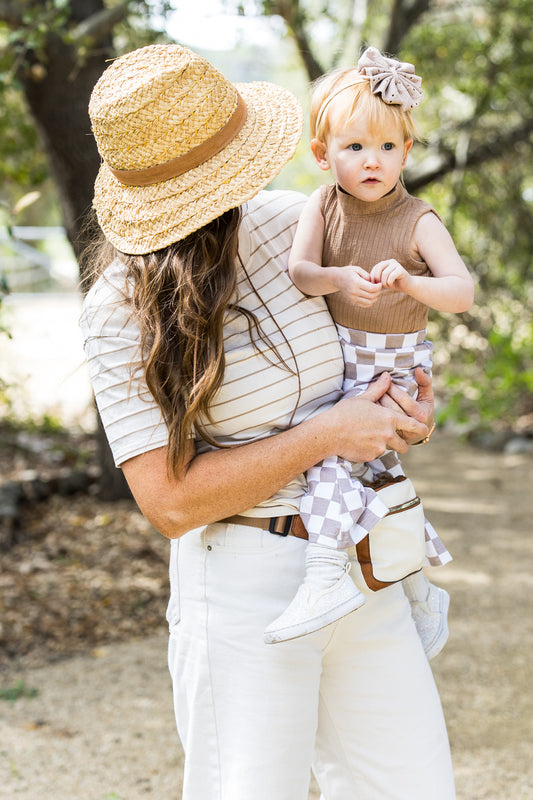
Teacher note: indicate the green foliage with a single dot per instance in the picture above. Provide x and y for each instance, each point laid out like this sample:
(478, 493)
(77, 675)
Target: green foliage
(48, 423)
(492, 226)
(509, 372)
(4, 331)
(23, 162)
(18, 690)
(12, 423)
(38, 23)
(495, 390)
(484, 362)
(4, 289)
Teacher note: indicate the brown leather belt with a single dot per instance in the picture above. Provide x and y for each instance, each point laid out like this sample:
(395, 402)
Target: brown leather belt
(282, 526)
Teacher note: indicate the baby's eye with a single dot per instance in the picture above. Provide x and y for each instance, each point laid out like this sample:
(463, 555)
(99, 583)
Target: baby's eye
(388, 146)
(354, 146)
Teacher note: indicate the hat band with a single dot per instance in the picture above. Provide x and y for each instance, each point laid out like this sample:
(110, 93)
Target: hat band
(187, 161)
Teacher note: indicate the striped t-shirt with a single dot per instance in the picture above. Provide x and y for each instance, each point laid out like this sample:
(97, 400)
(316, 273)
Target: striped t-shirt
(258, 396)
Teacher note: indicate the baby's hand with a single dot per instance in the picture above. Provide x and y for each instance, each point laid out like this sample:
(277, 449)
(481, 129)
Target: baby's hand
(390, 273)
(357, 286)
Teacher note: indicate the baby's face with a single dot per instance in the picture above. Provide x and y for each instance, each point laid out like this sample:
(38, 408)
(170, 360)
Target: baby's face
(367, 162)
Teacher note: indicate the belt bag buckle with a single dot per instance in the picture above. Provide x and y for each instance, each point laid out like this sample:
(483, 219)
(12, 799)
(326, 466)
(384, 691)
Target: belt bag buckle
(396, 546)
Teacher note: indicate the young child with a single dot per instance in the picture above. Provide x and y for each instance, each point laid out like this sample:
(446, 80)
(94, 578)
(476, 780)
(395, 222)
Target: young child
(382, 258)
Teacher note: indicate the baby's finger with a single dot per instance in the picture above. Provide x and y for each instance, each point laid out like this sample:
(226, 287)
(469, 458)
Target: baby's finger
(377, 270)
(390, 276)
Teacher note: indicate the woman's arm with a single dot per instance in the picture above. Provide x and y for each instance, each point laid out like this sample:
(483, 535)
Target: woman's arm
(224, 482)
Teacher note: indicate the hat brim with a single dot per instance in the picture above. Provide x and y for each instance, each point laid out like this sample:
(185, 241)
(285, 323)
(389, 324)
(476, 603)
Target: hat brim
(140, 219)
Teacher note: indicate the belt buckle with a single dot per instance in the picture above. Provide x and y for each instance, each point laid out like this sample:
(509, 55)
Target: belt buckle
(286, 528)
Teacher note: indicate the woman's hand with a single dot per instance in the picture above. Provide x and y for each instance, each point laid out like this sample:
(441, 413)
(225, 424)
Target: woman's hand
(369, 424)
(421, 409)
(219, 483)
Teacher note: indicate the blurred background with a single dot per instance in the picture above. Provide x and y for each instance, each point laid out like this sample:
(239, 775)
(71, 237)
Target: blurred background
(81, 570)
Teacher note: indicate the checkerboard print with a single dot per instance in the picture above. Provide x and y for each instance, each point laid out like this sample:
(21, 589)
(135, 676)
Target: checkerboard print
(338, 510)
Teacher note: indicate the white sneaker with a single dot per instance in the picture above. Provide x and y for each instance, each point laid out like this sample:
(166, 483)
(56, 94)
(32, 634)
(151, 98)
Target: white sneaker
(326, 595)
(431, 619)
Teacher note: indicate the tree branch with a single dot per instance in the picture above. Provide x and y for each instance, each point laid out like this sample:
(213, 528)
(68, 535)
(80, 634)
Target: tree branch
(291, 12)
(350, 36)
(404, 14)
(96, 27)
(443, 162)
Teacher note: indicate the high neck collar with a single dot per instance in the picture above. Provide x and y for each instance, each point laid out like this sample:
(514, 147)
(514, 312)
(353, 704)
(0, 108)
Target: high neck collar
(352, 205)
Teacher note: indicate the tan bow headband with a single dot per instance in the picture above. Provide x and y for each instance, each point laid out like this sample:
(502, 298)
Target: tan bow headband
(394, 80)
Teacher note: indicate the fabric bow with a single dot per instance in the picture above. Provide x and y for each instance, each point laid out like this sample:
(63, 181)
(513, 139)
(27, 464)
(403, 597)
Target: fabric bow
(394, 80)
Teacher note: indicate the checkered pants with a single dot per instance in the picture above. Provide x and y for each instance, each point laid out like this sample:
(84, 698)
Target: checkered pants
(338, 510)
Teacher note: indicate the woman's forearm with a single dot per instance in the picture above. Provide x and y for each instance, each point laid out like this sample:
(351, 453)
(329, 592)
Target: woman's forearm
(224, 482)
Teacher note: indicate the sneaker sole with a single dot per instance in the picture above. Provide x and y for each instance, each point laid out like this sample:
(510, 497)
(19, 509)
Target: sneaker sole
(286, 634)
(442, 637)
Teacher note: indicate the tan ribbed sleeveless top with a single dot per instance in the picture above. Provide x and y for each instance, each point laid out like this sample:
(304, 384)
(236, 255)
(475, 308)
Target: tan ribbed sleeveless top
(362, 233)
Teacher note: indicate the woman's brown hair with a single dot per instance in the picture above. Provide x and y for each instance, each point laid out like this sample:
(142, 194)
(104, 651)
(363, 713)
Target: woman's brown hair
(180, 296)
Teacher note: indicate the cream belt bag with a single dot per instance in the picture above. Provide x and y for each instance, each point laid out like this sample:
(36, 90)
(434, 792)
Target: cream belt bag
(396, 546)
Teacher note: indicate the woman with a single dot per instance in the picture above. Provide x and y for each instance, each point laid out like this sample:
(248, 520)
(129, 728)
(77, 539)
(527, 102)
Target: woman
(217, 383)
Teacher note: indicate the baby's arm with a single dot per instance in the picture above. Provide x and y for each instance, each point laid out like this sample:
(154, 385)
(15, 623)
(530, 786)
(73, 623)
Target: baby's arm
(305, 262)
(450, 286)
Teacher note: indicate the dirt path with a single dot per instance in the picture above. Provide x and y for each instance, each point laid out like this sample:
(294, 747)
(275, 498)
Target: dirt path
(101, 726)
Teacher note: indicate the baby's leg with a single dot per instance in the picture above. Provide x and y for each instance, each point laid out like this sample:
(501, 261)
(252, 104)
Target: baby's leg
(333, 503)
(429, 609)
(429, 603)
(389, 462)
(326, 595)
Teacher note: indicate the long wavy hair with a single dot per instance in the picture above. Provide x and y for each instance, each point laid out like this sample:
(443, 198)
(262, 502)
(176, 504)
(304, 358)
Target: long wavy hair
(180, 296)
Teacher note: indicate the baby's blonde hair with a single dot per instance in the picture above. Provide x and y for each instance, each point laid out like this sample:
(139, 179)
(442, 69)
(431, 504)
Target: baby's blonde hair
(354, 97)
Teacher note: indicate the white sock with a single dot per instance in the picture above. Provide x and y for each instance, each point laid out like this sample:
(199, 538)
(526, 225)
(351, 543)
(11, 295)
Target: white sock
(324, 566)
(416, 586)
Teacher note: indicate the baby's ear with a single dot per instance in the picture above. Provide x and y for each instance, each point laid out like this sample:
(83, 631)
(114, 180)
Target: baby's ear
(320, 153)
(406, 148)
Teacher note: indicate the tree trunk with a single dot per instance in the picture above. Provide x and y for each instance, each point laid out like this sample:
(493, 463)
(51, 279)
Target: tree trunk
(58, 95)
(112, 483)
(58, 81)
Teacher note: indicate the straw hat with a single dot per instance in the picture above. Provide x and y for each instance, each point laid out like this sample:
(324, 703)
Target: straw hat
(180, 144)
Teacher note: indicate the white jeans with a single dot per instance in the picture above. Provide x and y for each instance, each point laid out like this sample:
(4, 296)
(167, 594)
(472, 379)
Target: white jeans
(356, 700)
